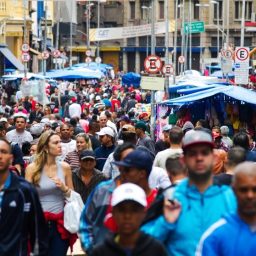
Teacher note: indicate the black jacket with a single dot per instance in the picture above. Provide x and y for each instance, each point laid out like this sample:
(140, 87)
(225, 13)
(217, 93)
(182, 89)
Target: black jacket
(22, 220)
(146, 246)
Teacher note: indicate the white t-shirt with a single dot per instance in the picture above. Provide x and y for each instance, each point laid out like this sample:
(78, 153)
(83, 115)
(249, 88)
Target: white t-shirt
(158, 178)
(162, 156)
(75, 110)
(67, 148)
(14, 137)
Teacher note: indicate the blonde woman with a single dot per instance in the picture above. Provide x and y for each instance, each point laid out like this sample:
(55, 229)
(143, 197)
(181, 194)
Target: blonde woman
(83, 142)
(53, 181)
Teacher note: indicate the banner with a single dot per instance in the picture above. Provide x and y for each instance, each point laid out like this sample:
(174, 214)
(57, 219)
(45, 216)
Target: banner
(102, 34)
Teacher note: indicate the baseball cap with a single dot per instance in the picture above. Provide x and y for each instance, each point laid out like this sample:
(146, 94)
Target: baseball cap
(224, 130)
(87, 154)
(139, 159)
(128, 192)
(128, 128)
(167, 127)
(98, 97)
(36, 129)
(141, 125)
(196, 137)
(106, 131)
(3, 119)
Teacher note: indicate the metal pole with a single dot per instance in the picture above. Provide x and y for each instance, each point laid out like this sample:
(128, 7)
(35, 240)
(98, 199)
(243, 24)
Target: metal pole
(166, 11)
(227, 39)
(152, 119)
(88, 24)
(190, 36)
(201, 43)
(71, 34)
(218, 25)
(147, 35)
(242, 24)
(98, 25)
(57, 30)
(183, 34)
(175, 43)
(223, 23)
(25, 34)
(45, 37)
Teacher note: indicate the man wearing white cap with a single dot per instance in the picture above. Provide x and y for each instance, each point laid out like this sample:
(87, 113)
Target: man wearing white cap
(107, 139)
(129, 208)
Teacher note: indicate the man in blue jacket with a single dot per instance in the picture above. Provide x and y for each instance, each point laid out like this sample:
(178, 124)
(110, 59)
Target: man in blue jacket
(194, 204)
(21, 217)
(235, 234)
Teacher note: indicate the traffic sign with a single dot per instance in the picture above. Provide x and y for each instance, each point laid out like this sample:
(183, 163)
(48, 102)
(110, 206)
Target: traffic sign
(181, 59)
(45, 55)
(228, 54)
(25, 48)
(25, 57)
(88, 53)
(98, 60)
(88, 59)
(168, 69)
(56, 54)
(242, 65)
(153, 64)
(194, 27)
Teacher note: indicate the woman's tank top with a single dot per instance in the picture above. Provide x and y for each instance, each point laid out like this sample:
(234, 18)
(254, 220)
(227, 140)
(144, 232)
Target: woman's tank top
(51, 197)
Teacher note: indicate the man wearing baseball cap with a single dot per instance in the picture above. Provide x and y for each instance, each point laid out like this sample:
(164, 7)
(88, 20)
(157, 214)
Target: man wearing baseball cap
(201, 201)
(107, 139)
(129, 204)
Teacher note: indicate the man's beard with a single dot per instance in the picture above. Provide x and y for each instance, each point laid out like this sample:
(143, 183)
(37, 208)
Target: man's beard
(200, 177)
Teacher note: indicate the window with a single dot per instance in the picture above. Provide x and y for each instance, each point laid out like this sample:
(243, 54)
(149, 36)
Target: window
(145, 10)
(196, 10)
(161, 9)
(2, 6)
(214, 41)
(132, 10)
(247, 41)
(131, 41)
(215, 11)
(160, 41)
(239, 7)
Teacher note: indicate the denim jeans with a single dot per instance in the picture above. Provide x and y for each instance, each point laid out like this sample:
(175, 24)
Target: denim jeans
(57, 246)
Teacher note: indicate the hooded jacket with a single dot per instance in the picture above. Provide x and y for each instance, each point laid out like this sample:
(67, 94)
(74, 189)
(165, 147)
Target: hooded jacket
(21, 219)
(228, 236)
(145, 246)
(198, 212)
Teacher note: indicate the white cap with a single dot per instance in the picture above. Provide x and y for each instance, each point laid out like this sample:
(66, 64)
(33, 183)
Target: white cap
(129, 191)
(3, 119)
(106, 131)
(98, 97)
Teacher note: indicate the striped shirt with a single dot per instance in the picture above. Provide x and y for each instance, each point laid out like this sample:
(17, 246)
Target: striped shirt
(72, 159)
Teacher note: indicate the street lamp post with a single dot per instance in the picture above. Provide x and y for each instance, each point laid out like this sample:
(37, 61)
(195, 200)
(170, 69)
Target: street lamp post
(242, 24)
(218, 25)
(88, 13)
(147, 8)
(201, 37)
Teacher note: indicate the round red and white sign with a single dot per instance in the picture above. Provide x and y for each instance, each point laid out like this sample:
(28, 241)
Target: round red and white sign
(153, 64)
(228, 54)
(25, 48)
(88, 59)
(242, 54)
(181, 59)
(88, 53)
(168, 69)
(98, 60)
(25, 57)
(45, 55)
(56, 53)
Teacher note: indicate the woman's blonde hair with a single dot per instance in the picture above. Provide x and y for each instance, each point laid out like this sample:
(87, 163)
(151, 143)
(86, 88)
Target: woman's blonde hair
(86, 138)
(41, 155)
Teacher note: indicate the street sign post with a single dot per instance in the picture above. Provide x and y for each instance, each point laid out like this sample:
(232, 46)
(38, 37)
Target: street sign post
(181, 59)
(56, 54)
(242, 65)
(98, 60)
(194, 27)
(25, 48)
(153, 64)
(25, 57)
(45, 55)
(88, 60)
(168, 69)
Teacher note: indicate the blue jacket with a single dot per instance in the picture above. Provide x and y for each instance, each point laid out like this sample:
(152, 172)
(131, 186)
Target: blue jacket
(92, 230)
(102, 154)
(228, 236)
(199, 212)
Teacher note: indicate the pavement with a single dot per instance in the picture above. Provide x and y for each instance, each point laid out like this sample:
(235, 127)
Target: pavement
(77, 250)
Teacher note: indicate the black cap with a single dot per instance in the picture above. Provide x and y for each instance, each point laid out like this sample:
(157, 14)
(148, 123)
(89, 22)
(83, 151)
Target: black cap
(87, 154)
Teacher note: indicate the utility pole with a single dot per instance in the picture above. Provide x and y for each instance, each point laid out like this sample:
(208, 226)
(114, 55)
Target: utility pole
(183, 35)
(98, 25)
(242, 24)
(25, 34)
(153, 44)
(227, 39)
(45, 37)
(71, 33)
(190, 35)
(175, 43)
(57, 30)
(166, 11)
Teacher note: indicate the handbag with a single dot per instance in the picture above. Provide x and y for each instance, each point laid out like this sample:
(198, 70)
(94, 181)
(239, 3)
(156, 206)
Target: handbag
(72, 212)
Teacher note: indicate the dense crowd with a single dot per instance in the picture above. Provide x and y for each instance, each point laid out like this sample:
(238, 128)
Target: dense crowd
(190, 192)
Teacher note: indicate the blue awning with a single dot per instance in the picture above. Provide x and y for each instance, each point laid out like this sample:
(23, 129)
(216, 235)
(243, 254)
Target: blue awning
(9, 56)
(235, 92)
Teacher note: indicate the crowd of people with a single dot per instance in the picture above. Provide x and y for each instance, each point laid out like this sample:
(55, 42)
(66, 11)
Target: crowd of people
(191, 192)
